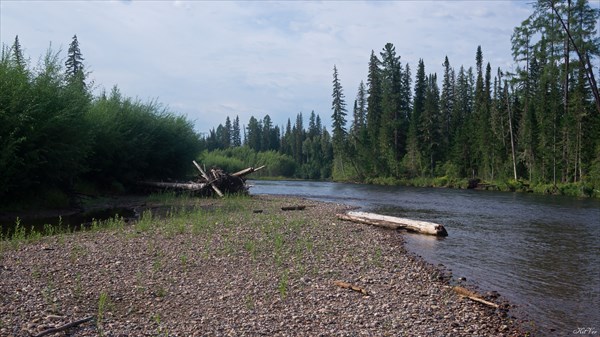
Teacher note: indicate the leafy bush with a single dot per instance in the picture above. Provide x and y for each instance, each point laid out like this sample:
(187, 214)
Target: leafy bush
(571, 189)
(450, 170)
(458, 183)
(238, 158)
(54, 135)
(217, 159)
(589, 191)
(43, 134)
(386, 181)
(545, 189)
(277, 164)
(440, 181)
(135, 141)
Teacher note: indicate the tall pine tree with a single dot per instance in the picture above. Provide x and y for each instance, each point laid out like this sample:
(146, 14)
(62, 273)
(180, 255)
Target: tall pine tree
(393, 125)
(412, 160)
(17, 54)
(236, 137)
(338, 116)
(74, 65)
(374, 113)
(446, 106)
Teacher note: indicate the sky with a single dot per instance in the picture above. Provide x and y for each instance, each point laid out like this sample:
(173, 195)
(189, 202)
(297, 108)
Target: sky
(212, 59)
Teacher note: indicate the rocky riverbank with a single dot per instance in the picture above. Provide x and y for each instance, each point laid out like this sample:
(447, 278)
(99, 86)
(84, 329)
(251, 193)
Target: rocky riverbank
(233, 267)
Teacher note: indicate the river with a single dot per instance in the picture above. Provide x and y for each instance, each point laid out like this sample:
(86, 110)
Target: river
(540, 252)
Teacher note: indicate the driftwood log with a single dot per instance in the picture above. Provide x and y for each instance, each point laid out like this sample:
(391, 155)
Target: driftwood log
(247, 171)
(208, 180)
(214, 181)
(64, 327)
(347, 285)
(393, 222)
(293, 208)
(473, 296)
(190, 186)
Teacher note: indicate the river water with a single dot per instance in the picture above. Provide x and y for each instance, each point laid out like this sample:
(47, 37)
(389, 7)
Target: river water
(539, 252)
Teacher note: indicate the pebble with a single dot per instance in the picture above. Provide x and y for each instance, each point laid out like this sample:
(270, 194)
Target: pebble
(223, 290)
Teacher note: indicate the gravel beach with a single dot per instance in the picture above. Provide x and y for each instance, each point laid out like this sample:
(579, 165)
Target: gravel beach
(234, 267)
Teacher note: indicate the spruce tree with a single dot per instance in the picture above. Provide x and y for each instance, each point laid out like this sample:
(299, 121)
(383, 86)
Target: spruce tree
(419, 101)
(227, 133)
(236, 136)
(267, 134)
(287, 143)
(275, 136)
(393, 126)
(17, 53)
(374, 112)
(338, 107)
(74, 64)
(221, 137)
(447, 105)
(358, 137)
(498, 146)
(360, 113)
(299, 135)
(254, 134)
(359, 122)
(480, 128)
(312, 125)
(464, 147)
(431, 123)
(406, 99)
(412, 160)
(522, 51)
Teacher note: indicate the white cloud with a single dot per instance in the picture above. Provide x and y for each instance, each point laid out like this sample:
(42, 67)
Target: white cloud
(212, 59)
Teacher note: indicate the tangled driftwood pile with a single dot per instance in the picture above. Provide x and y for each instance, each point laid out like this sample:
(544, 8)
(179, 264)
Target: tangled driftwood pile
(210, 182)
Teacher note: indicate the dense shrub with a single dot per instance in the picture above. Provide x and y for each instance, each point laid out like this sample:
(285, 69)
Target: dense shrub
(237, 158)
(138, 141)
(277, 164)
(219, 160)
(54, 134)
(44, 136)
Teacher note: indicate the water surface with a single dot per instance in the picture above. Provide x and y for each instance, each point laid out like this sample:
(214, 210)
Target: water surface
(540, 252)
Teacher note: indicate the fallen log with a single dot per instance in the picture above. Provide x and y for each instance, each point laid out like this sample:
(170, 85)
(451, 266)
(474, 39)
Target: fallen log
(351, 287)
(393, 222)
(377, 223)
(247, 171)
(209, 182)
(473, 296)
(228, 183)
(64, 327)
(180, 186)
(293, 208)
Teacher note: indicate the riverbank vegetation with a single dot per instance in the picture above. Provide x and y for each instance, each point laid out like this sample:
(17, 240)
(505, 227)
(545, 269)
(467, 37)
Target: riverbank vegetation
(535, 128)
(57, 138)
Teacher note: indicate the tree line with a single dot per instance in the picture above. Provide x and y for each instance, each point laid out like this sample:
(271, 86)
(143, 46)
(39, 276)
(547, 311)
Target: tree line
(57, 138)
(538, 126)
(535, 127)
(293, 151)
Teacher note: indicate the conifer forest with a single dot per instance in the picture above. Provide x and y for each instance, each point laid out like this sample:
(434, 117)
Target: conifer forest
(533, 128)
